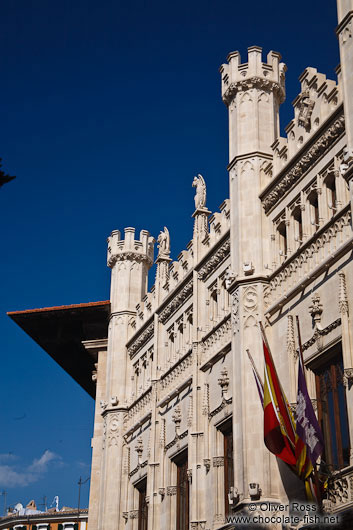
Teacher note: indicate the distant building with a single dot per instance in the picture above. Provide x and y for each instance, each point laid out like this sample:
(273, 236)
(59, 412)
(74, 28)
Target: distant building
(51, 520)
(178, 434)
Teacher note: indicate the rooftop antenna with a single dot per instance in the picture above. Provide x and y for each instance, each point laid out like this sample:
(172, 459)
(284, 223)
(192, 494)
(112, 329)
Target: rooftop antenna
(4, 494)
(80, 483)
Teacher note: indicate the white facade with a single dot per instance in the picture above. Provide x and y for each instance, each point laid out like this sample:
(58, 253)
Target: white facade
(174, 375)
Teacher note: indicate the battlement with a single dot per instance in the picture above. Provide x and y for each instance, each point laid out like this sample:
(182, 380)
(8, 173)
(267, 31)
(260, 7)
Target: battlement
(237, 76)
(129, 248)
(317, 100)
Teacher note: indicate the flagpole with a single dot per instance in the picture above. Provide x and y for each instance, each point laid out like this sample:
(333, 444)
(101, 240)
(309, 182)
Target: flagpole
(316, 476)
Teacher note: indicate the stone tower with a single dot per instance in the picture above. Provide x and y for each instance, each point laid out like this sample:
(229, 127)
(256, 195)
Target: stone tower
(129, 260)
(253, 92)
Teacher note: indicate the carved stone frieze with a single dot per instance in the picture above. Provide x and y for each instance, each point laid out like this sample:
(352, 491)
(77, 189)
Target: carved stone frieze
(141, 339)
(172, 490)
(217, 339)
(259, 83)
(134, 514)
(290, 178)
(314, 251)
(174, 376)
(218, 461)
(176, 302)
(215, 260)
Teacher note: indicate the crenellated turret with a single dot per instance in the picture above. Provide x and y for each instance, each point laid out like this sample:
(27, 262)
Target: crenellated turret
(253, 92)
(130, 261)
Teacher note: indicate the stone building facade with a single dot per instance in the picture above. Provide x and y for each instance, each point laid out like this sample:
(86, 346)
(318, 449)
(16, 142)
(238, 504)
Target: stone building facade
(178, 436)
(178, 432)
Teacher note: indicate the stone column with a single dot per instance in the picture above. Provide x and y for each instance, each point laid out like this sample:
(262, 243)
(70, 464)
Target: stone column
(253, 101)
(346, 351)
(99, 349)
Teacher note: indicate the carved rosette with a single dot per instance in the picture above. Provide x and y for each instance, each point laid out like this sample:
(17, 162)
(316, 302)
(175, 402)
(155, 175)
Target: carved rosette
(218, 461)
(112, 433)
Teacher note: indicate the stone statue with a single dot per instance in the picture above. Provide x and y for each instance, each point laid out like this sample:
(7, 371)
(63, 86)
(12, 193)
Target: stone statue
(200, 195)
(164, 243)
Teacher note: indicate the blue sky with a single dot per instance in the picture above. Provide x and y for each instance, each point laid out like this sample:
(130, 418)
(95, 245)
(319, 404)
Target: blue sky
(108, 110)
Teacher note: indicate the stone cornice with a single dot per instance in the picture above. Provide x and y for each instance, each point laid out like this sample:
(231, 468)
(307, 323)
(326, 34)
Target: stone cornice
(306, 158)
(177, 300)
(261, 83)
(141, 337)
(130, 256)
(214, 260)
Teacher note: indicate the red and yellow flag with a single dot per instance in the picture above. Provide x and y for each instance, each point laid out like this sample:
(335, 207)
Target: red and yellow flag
(279, 426)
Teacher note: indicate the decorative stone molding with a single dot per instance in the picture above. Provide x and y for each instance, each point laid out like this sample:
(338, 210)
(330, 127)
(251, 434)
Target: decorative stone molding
(190, 411)
(290, 337)
(139, 448)
(141, 339)
(134, 514)
(260, 83)
(189, 475)
(289, 178)
(235, 311)
(94, 373)
(207, 464)
(161, 492)
(220, 407)
(316, 250)
(223, 381)
(176, 302)
(342, 295)
(320, 333)
(229, 278)
(112, 428)
(206, 400)
(218, 461)
(250, 299)
(348, 377)
(214, 261)
(176, 375)
(172, 490)
(126, 516)
(176, 417)
(176, 440)
(140, 404)
(217, 339)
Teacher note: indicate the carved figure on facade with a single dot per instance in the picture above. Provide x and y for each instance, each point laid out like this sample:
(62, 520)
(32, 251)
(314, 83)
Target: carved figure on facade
(164, 243)
(200, 195)
(306, 106)
(315, 309)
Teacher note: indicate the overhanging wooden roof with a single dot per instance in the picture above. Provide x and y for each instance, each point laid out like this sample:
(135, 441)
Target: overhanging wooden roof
(60, 332)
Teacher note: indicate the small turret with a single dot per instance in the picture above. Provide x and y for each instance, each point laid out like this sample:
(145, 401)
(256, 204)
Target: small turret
(130, 261)
(253, 92)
